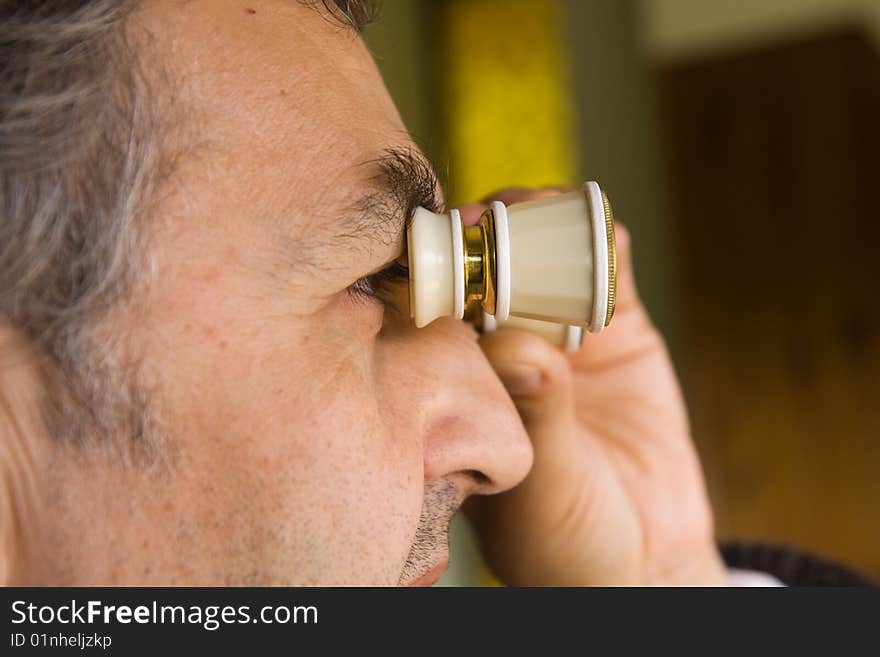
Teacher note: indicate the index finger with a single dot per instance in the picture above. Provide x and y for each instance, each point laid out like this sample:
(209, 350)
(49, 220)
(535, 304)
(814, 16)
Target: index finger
(470, 213)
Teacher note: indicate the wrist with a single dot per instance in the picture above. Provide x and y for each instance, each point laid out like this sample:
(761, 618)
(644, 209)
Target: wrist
(707, 569)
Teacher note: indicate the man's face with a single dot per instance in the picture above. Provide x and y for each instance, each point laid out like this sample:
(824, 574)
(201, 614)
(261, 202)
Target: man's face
(312, 435)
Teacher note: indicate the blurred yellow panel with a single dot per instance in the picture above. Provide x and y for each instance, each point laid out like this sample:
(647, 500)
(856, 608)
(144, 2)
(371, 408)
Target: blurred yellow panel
(506, 97)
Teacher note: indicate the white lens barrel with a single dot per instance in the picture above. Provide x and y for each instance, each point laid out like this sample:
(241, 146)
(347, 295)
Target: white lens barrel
(565, 337)
(553, 261)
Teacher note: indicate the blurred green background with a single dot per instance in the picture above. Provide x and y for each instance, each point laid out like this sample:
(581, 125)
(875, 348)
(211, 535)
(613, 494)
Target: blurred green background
(738, 141)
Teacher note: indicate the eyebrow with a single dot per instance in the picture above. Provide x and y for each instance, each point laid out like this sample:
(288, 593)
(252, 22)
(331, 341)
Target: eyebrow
(356, 14)
(401, 181)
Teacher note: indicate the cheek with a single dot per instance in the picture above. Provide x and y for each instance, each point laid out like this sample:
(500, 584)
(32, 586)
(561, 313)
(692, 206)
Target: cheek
(355, 479)
(365, 468)
(289, 453)
(358, 482)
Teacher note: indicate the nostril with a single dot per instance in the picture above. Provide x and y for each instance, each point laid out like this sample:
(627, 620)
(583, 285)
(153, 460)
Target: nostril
(480, 480)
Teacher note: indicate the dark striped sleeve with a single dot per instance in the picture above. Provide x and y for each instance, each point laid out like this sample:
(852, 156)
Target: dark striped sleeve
(791, 566)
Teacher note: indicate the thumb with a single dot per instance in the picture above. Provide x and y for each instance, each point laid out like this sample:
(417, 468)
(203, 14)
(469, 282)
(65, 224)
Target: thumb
(538, 377)
(548, 503)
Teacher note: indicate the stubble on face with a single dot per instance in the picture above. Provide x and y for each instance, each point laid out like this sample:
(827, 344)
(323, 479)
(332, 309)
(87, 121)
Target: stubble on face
(430, 545)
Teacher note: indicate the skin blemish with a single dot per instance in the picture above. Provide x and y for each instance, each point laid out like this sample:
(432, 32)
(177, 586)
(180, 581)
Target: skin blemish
(283, 92)
(251, 11)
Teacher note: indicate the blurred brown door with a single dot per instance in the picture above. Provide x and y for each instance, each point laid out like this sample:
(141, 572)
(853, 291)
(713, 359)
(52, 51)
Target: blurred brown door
(774, 159)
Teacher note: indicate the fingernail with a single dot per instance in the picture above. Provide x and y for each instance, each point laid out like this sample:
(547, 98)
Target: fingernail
(519, 379)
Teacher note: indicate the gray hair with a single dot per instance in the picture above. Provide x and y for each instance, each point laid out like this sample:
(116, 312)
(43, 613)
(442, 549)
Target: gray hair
(78, 164)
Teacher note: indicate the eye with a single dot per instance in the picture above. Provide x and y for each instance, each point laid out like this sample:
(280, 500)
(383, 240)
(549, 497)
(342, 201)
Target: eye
(380, 285)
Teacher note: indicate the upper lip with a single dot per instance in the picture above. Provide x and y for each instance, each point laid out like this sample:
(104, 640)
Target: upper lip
(432, 575)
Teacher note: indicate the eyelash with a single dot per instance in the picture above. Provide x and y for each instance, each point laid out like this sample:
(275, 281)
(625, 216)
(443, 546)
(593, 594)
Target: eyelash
(375, 286)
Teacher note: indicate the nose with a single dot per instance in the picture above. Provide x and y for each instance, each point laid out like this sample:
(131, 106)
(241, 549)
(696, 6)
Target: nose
(468, 423)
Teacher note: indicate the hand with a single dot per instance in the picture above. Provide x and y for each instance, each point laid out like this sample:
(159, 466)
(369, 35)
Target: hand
(616, 494)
